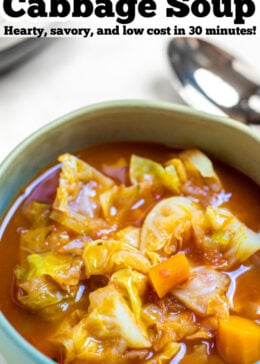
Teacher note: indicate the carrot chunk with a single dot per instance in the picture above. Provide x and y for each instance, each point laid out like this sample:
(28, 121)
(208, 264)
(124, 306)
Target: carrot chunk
(238, 340)
(169, 273)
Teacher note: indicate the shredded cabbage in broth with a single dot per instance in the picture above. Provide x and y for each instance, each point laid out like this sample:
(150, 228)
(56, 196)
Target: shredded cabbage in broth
(127, 292)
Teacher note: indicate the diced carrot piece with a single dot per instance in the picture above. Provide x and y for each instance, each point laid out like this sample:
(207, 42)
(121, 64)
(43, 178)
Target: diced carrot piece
(169, 273)
(238, 340)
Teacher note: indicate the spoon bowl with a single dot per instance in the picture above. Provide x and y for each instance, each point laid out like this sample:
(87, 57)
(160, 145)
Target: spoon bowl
(211, 79)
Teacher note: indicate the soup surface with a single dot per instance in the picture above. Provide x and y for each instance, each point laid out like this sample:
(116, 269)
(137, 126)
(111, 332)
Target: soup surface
(135, 253)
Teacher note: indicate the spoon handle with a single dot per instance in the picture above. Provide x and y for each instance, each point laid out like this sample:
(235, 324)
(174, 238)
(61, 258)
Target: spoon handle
(253, 108)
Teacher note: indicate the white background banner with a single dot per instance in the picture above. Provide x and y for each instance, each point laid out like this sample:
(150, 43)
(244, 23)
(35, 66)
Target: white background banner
(86, 18)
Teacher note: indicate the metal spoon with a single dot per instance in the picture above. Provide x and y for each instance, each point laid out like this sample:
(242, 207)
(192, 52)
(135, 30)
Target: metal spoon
(209, 78)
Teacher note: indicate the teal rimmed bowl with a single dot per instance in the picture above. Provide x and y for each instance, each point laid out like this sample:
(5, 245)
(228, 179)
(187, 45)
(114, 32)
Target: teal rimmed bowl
(174, 125)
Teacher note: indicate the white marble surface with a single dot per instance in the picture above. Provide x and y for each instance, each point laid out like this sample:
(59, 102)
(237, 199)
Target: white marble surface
(69, 73)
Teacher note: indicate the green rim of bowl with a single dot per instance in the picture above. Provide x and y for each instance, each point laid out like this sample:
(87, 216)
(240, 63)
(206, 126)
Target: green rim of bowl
(126, 104)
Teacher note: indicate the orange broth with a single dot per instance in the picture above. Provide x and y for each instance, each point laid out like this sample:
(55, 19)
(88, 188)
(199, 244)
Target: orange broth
(244, 202)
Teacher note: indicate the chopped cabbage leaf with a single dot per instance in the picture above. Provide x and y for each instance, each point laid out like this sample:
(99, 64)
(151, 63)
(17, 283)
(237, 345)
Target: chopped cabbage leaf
(146, 170)
(76, 173)
(168, 352)
(76, 341)
(132, 284)
(130, 235)
(78, 225)
(82, 225)
(106, 256)
(63, 269)
(43, 239)
(77, 199)
(152, 315)
(39, 292)
(155, 258)
(37, 213)
(234, 238)
(197, 162)
(169, 326)
(121, 202)
(117, 201)
(170, 223)
(74, 246)
(204, 292)
(197, 356)
(76, 299)
(50, 238)
(109, 320)
(47, 280)
(35, 240)
(110, 316)
(180, 169)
